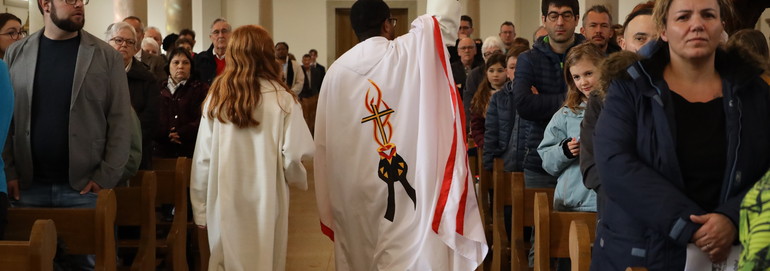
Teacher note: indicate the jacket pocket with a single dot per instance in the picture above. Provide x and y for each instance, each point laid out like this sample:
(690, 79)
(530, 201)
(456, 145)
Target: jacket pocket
(96, 86)
(623, 250)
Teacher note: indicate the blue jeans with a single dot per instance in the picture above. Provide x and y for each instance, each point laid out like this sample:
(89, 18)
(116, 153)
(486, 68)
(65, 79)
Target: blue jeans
(60, 196)
(54, 196)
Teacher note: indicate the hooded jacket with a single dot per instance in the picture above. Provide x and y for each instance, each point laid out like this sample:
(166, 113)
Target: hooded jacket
(570, 193)
(645, 221)
(613, 68)
(505, 133)
(541, 68)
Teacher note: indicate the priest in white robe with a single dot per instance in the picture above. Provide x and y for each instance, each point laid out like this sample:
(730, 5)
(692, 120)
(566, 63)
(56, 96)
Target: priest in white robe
(392, 181)
(242, 170)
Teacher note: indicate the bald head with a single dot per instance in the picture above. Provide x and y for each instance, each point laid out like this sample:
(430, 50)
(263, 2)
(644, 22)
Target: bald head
(466, 49)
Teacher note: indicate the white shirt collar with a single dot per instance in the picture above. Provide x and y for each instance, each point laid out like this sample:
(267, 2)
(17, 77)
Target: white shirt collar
(128, 67)
(218, 56)
(172, 86)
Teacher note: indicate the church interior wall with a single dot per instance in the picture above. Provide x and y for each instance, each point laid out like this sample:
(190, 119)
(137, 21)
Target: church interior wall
(308, 24)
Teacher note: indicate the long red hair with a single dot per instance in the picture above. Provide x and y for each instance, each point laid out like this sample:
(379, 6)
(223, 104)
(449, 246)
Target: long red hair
(236, 93)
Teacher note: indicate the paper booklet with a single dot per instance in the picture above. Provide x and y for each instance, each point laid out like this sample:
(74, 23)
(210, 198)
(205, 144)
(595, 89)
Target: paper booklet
(697, 260)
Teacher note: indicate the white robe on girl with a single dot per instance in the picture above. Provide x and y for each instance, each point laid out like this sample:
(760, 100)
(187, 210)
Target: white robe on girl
(240, 181)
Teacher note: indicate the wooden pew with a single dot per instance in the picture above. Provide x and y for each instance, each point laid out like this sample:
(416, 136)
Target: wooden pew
(580, 245)
(522, 215)
(501, 248)
(636, 269)
(83, 230)
(485, 205)
(473, 160)
(36, 254)
(164, 164)
(203, 248)
(136, 207)
(172, 190)
(552, 232)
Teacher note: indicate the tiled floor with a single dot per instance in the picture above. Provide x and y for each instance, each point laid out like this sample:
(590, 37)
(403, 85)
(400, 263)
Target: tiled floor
(308, 248)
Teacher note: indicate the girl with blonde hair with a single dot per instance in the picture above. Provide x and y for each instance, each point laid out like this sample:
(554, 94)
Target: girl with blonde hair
(561, 139)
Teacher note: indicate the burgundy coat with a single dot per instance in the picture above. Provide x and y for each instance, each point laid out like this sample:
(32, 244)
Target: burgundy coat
(181, 111)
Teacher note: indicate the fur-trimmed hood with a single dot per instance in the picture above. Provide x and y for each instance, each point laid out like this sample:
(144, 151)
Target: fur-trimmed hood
(732, 63)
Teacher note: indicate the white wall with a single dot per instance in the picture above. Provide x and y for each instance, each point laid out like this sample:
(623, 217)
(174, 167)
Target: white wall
(99, 15)
(244, 12)
(19, 11)
(493, 13)
(302, 25)
(624, 8)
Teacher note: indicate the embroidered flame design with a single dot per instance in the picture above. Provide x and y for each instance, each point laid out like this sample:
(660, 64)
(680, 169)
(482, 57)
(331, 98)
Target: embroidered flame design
(382, 128)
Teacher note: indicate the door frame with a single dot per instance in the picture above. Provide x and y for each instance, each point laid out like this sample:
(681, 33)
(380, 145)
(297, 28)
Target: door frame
(331, 28)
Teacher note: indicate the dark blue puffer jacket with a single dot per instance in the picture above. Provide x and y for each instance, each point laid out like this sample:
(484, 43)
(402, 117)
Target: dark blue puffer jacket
(505, 133)
(540, 68)
(645, 220)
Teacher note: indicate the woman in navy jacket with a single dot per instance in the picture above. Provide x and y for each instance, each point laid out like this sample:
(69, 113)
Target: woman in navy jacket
(679, 144)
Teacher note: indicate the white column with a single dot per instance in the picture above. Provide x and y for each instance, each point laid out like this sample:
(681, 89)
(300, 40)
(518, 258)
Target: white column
(204, 12)
(156, 15)
(266, 15)
(178, 16)
(125, 8)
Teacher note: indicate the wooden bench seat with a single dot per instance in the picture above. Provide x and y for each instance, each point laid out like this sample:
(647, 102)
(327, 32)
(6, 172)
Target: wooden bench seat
(83, 231)
(501, 245)
(35, 254)
(552, 232)
(522, 215)
(136, 208)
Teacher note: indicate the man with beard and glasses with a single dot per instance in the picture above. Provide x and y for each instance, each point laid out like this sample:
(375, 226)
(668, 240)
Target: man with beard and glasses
(597, 28)
(72, 114)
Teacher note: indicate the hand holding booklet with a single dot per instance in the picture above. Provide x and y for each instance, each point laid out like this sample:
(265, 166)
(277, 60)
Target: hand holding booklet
(697, 260)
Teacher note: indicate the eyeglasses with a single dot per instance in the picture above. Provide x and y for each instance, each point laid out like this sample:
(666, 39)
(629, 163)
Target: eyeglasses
(223, 31)
(462, 48)
(74, 2)
(16, 35)
(487, 54)
(121, 41)
(465, 28)
(567, 16)
(393, 21)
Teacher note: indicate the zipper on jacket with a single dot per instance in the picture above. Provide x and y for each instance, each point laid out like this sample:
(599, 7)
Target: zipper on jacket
(730, 179)
(729, 187)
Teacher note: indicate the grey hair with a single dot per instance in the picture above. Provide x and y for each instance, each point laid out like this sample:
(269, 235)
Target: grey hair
(113, 30)
(492, 41)
(151, 42)
(220, 19)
